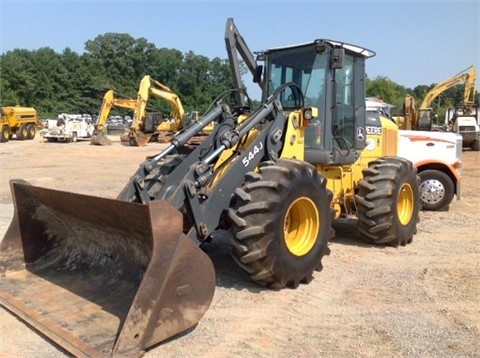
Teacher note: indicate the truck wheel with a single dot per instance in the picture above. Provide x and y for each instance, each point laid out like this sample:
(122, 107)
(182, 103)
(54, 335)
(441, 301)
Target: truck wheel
(436, 190)
(22, 132)
(5, 135)
(31, 131)
(476, 146)
(281, 220)
(388, 202)
(74, 137)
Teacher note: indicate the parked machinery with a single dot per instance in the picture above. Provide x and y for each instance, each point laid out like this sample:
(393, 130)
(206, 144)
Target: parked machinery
(19, 121)
(465, 122)
(144, 126)
(114, 277)
(110, 100)
(422, 118)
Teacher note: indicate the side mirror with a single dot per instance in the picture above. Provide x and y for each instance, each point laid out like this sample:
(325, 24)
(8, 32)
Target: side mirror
(257, 76)
(337, 58)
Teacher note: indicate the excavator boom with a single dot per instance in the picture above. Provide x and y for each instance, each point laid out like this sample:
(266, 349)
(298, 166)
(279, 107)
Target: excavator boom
(467, 76)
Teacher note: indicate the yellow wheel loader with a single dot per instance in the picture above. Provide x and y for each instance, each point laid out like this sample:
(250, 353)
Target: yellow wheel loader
(105, 277)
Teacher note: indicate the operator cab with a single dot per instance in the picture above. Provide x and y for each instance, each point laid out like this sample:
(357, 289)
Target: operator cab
(331, 76)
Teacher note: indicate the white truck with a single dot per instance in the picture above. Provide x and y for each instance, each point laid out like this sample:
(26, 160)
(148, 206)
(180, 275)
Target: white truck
(436, 155)
(67, 128)
(438, 159)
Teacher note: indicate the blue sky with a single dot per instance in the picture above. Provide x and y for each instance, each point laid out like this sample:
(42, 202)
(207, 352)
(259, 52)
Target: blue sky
(417, 42)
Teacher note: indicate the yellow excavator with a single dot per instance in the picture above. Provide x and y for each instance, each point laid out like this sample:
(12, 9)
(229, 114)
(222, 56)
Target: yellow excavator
(114, 277)
(421, 118)
(409, 120)
(110, 100)
(144, 125)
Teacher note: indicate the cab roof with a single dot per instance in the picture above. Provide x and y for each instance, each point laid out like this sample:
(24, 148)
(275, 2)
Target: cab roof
(348, 47)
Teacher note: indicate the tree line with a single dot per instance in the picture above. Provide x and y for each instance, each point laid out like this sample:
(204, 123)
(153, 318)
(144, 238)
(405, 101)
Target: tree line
(55, 83)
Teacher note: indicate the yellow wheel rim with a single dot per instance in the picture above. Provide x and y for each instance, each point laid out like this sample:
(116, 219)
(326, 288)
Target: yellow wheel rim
(405, 204)
(301, 226)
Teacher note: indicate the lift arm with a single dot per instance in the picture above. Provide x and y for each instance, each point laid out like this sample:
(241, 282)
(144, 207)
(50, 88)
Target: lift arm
(235, 43)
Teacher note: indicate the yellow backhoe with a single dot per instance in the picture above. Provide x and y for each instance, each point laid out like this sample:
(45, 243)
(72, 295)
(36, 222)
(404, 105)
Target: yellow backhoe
(105, 277)
(99, 136)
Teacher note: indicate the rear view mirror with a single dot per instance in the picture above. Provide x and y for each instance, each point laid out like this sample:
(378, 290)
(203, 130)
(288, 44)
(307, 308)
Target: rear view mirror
(257, 76)
(338, 58)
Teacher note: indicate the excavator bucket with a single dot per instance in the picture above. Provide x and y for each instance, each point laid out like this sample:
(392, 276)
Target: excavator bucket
(99, 138)
(139, 139)
(101, 277)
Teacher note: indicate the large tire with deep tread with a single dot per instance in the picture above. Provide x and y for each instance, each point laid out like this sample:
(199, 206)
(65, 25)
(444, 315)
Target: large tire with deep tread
(281, 220)
(388, 202)
(436, 190)
(5, 134)
(22, 132)
(31, 131)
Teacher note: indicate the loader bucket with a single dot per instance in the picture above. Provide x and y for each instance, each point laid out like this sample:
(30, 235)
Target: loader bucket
(101, 277)
(99, 138)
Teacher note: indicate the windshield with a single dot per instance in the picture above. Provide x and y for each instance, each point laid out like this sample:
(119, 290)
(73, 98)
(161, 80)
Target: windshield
(304, 67)
(308, 70)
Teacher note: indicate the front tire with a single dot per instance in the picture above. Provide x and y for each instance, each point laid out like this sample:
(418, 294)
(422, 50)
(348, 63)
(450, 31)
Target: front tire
(436, 190)
(388, 202)
(281, 220)
(5, 135)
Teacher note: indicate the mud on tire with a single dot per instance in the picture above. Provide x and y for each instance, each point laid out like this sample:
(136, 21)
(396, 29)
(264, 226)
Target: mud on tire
(388, 202)
(281, 220)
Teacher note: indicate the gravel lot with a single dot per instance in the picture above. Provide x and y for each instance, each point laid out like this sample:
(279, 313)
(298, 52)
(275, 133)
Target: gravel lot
(422, 300)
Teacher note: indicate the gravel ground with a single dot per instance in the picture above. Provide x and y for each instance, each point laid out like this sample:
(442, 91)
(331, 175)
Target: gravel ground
(422, 300)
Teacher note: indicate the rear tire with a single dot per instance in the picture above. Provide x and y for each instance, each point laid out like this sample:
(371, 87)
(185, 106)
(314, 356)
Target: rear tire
(436, 190)
(388, 202)
(74, 138)
(22, 132)
(31, 131)
(5, 135)
(281, 220)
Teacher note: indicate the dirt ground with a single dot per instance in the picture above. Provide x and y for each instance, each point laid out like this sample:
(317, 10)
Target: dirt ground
(422, 300)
